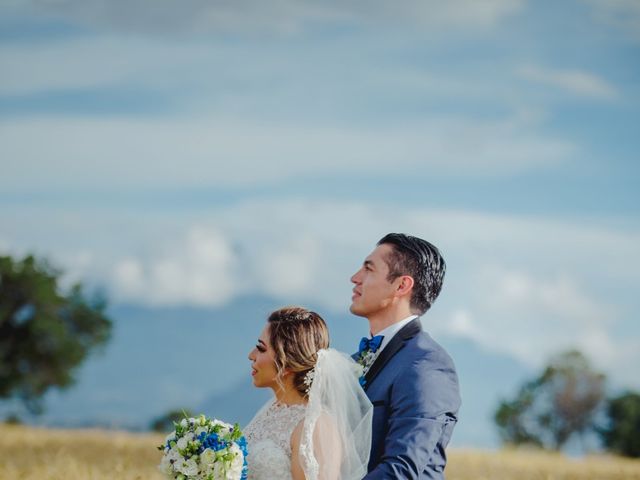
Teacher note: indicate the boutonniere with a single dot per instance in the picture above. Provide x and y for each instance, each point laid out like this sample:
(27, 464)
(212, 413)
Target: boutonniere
(366, 359)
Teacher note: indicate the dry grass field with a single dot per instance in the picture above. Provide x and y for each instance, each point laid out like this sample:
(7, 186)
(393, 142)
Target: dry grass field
(532, 465)
(38, 454)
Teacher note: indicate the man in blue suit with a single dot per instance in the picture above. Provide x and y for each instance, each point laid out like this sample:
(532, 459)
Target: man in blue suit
(409, 378)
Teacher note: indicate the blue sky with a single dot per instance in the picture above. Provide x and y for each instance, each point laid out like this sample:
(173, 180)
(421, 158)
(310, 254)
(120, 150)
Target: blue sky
(192, 153)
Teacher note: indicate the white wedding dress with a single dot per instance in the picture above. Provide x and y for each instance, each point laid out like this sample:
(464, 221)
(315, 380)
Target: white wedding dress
(269, 441)
(336, 427)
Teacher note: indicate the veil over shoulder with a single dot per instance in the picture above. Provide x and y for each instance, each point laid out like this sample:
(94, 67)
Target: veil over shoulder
(336, 435)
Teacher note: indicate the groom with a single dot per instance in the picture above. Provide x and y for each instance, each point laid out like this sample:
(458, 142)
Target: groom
(408, 377)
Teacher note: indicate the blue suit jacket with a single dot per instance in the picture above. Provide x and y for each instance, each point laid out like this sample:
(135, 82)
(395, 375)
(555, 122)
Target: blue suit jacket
(413, 386)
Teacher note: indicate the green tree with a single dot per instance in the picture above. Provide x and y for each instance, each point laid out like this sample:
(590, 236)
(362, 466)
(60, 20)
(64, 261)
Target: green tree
(164, 423)
(622, 434)
(560, 403)
(45, 333)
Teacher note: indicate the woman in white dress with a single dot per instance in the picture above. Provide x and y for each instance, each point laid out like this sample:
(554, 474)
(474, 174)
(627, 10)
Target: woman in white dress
(318, 425)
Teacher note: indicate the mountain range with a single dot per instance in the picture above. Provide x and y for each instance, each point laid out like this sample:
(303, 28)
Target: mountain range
(159, 359)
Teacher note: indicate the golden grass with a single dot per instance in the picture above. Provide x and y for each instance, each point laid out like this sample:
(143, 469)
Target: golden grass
(537, 465)
(28, 453)
(41, 454)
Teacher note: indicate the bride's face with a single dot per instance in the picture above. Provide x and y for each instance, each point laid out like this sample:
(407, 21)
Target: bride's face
(263, 366)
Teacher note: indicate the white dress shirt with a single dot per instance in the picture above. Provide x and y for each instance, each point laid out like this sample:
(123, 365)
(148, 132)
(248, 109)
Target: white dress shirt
(391, 331)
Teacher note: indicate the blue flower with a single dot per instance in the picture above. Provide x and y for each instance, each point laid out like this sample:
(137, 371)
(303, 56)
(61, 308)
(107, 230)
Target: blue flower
(172, 439)
(212, 441)
(242, 443)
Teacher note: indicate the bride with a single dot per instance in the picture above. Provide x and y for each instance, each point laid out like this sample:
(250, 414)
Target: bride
(318, 425)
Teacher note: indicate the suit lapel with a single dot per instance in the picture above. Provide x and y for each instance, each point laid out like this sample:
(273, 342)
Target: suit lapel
(410, 330)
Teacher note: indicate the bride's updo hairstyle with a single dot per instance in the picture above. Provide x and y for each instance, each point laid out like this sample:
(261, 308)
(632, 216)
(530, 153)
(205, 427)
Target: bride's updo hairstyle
(296, 334)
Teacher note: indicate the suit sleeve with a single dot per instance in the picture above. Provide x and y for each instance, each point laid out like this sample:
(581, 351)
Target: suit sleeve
(424, 405)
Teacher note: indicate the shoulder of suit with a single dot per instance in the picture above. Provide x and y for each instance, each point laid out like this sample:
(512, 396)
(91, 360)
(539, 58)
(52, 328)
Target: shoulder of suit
(423, 348)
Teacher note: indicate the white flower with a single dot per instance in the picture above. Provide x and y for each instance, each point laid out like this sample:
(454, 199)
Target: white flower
(166, 466)
(208, 464)
(218, 470)
(174, 455)
(188, 467)
(235, 449)
(182, 443)
(216, 422)
(308, 379)
(208, 457)
(366, 360)
(234, 470)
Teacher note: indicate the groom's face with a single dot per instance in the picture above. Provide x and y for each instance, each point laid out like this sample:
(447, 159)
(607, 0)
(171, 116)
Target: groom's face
(372, 292)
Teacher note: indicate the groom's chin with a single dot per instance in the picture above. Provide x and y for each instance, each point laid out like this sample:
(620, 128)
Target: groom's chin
(353, 309)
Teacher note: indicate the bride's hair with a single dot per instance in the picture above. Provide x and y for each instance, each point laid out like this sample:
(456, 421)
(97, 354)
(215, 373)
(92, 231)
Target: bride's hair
(296, 334)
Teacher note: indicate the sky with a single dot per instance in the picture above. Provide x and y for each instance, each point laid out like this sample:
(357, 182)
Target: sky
(194, 153)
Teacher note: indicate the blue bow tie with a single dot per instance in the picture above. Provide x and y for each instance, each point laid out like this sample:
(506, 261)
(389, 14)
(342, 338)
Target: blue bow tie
(371, 344)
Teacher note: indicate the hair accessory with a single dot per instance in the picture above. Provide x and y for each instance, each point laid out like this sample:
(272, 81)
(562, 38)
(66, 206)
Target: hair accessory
(308, 379)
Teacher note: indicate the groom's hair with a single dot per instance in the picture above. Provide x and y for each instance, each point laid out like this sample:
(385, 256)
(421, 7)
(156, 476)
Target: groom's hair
(421, 261)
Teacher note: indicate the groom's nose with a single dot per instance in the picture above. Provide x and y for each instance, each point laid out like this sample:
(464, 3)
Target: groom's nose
(355, 278)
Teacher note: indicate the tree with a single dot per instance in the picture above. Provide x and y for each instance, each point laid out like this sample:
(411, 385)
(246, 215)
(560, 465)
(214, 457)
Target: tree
(164, 423)
(45, 334)
(560, 403)
(622, 434)
(12, 419)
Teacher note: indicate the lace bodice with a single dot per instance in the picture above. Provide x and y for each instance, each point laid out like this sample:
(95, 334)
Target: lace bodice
(269, 441)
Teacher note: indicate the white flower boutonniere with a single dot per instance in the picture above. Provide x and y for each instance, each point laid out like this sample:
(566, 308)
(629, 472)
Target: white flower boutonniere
(366, 359)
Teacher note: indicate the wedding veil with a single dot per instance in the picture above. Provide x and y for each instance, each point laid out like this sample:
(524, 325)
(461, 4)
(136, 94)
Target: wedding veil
(336, 435)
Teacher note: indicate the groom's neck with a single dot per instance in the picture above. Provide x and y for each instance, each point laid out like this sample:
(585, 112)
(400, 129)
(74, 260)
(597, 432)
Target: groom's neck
(384, 319)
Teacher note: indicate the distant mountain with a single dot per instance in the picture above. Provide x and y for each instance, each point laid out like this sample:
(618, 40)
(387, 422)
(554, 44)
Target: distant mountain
(159, 359)
(239, 404)
(196, 358)
(484, 378)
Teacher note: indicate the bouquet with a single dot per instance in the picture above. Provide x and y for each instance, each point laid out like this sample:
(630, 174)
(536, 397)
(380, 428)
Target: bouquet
(204, 449)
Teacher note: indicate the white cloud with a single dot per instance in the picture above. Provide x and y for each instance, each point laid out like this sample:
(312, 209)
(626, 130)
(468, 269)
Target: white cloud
(289, 269)
(527, 287)
(576, 82)
(282, 17)
(532, 318)
(228, 126)
(77, 265)
(86, 153)
(558, 297)
(621, 14)
(94, 62)
(197, 270)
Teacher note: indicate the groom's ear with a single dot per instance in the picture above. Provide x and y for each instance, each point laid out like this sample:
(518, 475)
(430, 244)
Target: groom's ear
(405, 285)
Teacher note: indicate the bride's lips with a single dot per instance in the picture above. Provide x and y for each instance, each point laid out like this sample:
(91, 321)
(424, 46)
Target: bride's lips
(253, 372)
